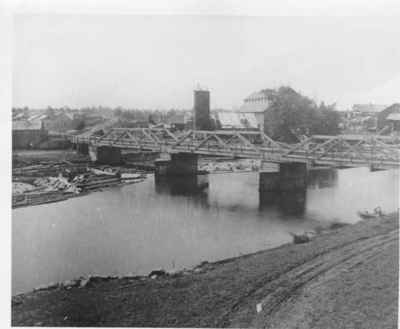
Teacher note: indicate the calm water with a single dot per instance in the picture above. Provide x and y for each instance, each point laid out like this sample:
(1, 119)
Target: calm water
(140, 227)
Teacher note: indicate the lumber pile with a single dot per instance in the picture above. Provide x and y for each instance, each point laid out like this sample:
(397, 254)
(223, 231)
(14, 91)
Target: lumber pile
(19, 200)
(49, 169)
(43, 183)
(90, 180)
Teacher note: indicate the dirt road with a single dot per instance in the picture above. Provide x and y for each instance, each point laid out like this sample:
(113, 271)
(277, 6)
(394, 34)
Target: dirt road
(352, 286)
(346, 278)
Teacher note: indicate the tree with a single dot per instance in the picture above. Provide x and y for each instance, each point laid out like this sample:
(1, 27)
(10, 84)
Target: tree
(50, 111)
(291, 115)
(80, 125)
(329, 120)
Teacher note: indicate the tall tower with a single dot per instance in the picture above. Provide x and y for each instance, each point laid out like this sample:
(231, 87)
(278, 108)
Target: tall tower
(202, 110)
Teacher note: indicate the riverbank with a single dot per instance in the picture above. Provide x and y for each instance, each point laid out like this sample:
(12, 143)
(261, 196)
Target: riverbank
(342, 276)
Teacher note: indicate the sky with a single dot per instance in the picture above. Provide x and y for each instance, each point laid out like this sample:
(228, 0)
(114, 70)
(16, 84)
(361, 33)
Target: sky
(156, 61)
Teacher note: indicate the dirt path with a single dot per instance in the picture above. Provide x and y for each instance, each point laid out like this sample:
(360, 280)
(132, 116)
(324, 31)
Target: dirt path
(311, 289)
(344, 279)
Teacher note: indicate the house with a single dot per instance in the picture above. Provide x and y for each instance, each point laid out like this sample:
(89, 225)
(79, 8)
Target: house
(390, 117)
(19, 114)
(368, 109)
(178, 121)
(131, 124)
(87, 119)
(257, 104)
(58, 122)
(236, 120)
(28, 134)
(394, 121)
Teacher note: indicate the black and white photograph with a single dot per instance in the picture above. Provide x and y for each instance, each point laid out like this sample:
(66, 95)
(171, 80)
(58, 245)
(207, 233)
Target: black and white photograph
(203, 165)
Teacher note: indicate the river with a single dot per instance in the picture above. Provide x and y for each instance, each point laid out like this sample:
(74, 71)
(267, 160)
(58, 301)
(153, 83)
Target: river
(134, 229)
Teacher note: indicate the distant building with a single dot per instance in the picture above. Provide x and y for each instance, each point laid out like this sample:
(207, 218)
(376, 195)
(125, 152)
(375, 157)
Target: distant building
(390, 117)
(236, 120)
(19, 114)
(394, 120)
(28, 134)
(368, 109)
(88, 119)
(130, 124)
(257, 104)
(58, 122)
(179, 121)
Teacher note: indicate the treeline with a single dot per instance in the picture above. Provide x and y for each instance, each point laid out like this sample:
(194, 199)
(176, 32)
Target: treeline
(120, 113)
(152, 116)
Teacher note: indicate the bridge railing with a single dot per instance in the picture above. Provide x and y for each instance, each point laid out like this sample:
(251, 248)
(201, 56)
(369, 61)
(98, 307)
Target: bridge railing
(343, 149)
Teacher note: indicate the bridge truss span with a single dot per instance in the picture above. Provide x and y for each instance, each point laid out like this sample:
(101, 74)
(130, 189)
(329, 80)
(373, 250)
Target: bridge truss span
(341, 150)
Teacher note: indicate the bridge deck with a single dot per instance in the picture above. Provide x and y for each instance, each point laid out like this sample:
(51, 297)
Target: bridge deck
(342, 150)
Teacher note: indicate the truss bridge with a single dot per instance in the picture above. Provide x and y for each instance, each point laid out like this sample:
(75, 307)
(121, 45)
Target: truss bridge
(374, 151)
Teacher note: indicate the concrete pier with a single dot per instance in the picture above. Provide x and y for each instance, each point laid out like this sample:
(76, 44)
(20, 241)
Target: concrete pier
(105, 155)
(289, 177)
(180, 164)
(161, 167)
(82, 148)
(292, 176)
(375, 168)
(284, 185)
(269, 182)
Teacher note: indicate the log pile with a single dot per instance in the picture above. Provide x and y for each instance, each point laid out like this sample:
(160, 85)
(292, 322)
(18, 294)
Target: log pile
(30, 199)
(36, 184)
(147, 166)
(90, 181)
(50, 169)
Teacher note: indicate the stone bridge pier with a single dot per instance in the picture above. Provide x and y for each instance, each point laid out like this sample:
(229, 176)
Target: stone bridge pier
(105, 155)
(288, 177)
(82, 148)
(180, 164)
(284, 187)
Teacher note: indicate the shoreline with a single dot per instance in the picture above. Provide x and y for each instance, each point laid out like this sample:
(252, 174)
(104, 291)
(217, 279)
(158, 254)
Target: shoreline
(320, 230)
(173, 295)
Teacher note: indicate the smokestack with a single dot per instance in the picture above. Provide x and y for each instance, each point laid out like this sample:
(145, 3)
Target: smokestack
(202, 110)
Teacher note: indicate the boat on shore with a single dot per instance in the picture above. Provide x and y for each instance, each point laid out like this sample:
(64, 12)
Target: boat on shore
(376, 214)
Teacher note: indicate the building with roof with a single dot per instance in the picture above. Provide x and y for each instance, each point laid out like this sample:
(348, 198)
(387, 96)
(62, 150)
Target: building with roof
(236, 120)
(368, 109)
(257, 104)
(28, 134)
(89, 119)
(390, 117)
(177, 121)
(58, 122)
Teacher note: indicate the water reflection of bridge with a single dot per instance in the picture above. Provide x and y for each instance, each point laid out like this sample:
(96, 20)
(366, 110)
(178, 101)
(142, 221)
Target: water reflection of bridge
(194, 187)
(190, 185)
(289, 202)
(322, 177)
